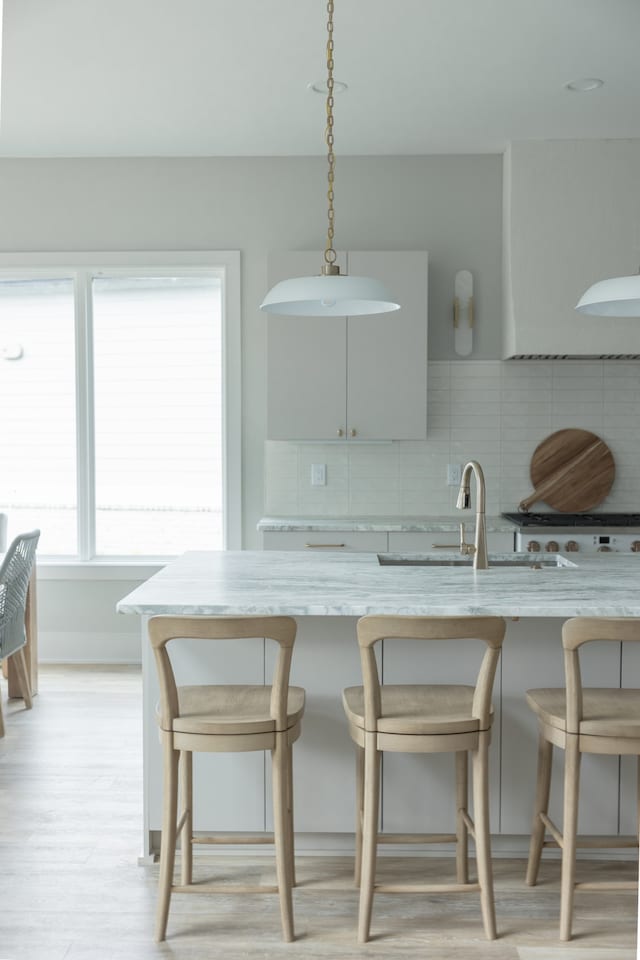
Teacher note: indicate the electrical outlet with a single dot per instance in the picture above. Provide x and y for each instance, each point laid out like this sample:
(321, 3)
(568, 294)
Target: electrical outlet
(318, 474)
(454, 474)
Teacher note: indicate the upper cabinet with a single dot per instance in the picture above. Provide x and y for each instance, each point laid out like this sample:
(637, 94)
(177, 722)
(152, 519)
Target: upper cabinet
(571, 217)
(353, 378)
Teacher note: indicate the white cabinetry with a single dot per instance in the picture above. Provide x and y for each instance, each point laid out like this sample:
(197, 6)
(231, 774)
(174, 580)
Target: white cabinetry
(568, 222)
(362, 378)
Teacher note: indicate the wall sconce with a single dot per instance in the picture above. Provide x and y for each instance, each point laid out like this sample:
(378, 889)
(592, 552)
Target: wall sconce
(463, 313)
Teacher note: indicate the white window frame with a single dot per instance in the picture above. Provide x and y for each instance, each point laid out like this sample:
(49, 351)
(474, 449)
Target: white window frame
(82, 267)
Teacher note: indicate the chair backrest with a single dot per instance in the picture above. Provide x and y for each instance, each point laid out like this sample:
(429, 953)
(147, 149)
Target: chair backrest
(371, 629)
(162, 629)
(15, 573)
(581, 630)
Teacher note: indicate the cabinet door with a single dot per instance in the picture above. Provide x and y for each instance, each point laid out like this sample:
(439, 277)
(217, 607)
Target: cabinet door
(419, 793)
(306, 363)
(326, 659)
(228, 787)
(387, 352)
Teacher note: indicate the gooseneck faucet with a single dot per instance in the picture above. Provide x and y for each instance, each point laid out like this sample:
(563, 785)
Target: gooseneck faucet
(480, 559)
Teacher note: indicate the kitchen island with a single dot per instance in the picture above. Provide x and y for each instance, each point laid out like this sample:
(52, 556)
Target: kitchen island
(326, 594)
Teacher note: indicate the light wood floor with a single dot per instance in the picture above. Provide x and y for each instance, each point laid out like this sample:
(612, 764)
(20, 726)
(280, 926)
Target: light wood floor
(71, 887)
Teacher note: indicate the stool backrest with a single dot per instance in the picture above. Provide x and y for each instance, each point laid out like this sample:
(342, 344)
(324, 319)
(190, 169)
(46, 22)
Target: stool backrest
(15, 573)
(371, 629)
(162, 629)
(581, 630)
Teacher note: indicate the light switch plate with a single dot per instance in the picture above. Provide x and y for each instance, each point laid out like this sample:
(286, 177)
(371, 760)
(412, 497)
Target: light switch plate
(318, 474)
(454, 474)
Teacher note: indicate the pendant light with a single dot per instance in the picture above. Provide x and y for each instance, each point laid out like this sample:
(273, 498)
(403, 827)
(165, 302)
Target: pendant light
(618, 297)
(331, 294)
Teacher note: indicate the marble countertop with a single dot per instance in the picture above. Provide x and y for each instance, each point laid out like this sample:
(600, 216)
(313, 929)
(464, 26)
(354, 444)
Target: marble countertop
(392, 524)
(354, 584)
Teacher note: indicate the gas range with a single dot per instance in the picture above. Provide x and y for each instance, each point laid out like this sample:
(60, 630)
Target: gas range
(577, 532)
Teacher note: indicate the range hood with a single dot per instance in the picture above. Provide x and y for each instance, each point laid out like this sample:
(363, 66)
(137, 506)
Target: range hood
(567, 222)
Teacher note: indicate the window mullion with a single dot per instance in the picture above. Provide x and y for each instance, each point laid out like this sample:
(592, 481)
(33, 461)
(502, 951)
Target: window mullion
(85, 445)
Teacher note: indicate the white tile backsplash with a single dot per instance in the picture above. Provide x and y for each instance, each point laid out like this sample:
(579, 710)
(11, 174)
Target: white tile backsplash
(492, 411)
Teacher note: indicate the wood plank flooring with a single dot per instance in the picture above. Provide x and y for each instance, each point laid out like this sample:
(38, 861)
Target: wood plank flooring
(71, 887)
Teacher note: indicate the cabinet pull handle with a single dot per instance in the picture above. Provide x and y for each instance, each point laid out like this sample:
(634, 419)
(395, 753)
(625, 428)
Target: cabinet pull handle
(445, 546)
(340, 432)
(353, 432)
(321, 546)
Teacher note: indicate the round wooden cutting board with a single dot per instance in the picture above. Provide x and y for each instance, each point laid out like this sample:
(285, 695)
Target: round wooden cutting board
(572, 470)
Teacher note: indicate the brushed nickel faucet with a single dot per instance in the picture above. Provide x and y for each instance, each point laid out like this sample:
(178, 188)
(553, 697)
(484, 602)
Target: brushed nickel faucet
(479, 549)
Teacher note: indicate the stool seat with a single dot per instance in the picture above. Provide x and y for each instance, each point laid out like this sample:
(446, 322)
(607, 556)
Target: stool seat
(232, 709)
(606, 712)
(416, 708)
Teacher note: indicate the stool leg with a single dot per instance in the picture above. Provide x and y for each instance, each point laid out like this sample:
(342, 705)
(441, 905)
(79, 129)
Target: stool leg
(369, 833)
(569, 834)
(186, 833)
(359, 812)
(22, 675)
(168, 843)
(482, 834)
(290, 830)
(279, 764)
(543, 786)
(462, 802)
(1, 717)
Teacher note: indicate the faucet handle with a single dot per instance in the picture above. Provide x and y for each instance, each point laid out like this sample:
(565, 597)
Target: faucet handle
(466, 549)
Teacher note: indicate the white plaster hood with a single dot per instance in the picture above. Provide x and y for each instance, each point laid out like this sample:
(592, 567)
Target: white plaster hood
(571, 213)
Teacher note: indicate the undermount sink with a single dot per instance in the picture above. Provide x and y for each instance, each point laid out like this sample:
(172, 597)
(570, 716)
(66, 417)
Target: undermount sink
(532, 561)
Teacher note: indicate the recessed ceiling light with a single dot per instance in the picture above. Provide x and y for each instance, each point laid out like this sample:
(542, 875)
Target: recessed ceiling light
(320, 86)
(584, 84)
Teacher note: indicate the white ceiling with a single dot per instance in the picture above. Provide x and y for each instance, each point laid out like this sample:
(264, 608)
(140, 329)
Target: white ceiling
(229, 77)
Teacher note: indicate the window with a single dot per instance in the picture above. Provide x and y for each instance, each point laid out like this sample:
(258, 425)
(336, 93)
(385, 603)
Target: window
(119, 387)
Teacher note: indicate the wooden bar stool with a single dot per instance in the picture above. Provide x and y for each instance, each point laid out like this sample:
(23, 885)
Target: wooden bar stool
(580, 720)
(225, 718)
(424, 718)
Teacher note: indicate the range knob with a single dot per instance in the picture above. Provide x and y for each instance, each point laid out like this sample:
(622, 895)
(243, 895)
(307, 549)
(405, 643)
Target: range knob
(533, 546)
(604, 549)
(571, 546)
(635, 546)
(552, 546)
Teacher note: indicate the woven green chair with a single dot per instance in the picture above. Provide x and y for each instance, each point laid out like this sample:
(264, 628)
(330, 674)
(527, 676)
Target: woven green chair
(15, 573)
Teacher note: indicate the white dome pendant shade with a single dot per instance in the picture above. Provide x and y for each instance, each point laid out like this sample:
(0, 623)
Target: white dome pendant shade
(617, 297)
(329, 296)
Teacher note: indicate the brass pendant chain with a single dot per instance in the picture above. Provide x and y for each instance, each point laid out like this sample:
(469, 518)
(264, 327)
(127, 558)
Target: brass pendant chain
(329, 253)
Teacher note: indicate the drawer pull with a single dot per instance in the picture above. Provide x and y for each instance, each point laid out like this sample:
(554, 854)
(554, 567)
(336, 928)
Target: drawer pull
(323, 546)
(445, 546)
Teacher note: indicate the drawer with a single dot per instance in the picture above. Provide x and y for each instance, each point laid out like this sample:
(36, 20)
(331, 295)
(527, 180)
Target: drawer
(339, 540)
(426, 542)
